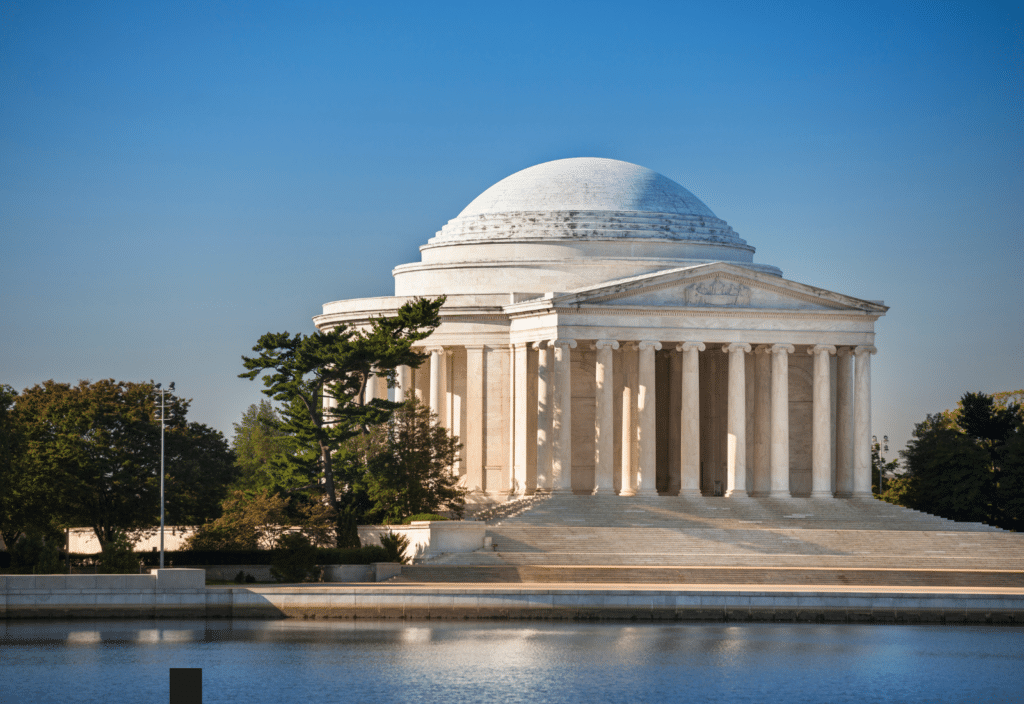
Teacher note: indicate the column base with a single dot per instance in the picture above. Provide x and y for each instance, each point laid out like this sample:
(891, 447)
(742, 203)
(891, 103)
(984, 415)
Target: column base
(628, 492)
(822, 495)
(863, 495)
(561, 491)
(607, 491)
(780, 494)
(736, 494)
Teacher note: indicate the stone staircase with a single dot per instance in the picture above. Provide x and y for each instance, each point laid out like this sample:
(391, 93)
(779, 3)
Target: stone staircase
(713, 540)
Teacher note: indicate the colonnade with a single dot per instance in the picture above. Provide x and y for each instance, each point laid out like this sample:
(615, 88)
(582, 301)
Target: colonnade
(548, 388)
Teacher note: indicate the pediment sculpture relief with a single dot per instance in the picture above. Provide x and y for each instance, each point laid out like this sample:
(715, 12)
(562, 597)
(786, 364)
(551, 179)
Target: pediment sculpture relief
(717, 292)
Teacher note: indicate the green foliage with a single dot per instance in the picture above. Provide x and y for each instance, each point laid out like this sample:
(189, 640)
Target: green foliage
(407, 466)
(247, 522)
(423, 517)
(258, 441)
(295, 559)
(967, 465)
(117, 557)
(1009, 484)
(253, 521)
(90, 455)
(27, 493)
(37, 552)
(395, 545)
(301, 372)
(192, 558)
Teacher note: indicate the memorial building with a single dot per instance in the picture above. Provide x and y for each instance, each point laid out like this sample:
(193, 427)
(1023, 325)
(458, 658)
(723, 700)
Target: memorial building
(605, 332)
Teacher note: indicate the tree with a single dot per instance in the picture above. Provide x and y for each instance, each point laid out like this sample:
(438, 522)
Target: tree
(253, 521)
(258, 441)
(968, 464)
(23, 494)
(305, 372)
(408, 466)
(989, 425)
(95, 450)
(949, 472)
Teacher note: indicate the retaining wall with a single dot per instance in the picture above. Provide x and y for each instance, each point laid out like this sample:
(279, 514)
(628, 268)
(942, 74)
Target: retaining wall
(43, 598)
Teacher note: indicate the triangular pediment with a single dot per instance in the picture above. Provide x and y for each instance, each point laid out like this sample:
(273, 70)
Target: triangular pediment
(716, 285)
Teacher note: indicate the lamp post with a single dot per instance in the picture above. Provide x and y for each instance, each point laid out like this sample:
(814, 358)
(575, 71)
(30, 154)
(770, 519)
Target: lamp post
(163, 393)
(882, 449)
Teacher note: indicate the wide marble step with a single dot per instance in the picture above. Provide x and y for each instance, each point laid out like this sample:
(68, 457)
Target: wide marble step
(712, 575)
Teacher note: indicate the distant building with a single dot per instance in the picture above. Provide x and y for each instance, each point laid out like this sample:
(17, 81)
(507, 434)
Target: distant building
(605, 332)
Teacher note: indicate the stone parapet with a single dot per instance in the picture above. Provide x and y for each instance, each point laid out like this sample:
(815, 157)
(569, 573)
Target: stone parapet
(429, 539)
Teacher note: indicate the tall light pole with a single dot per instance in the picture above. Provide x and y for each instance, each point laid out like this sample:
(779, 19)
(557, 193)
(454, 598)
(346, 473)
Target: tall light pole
(882, 449)
(163, 393)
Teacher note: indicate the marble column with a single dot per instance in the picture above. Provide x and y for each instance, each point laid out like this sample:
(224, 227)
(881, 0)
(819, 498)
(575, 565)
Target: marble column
(627, 486)
(404, 388)
(604, 419)
(474, 436)
(736, 420)
(543, 417)
(844, 422)
(436, 377)
(561, 421)
(646, 464)
(821, 424)
(780, 420)
(862, 422)
(675, 427)
(689, 431)
(520, 421)
(762, 420)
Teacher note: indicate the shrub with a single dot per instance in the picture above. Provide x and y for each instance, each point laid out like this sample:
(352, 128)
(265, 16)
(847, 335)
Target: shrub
(395, 544)
(295, 559)
(117, 557)
(36, 553)
(424, 517)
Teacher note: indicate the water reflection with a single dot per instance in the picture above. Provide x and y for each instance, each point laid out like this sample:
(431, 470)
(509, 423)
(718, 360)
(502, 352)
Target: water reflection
(455, 662)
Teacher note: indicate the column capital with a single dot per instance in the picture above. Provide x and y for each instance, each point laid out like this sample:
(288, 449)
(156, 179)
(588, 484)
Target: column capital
(539, 344)
(690, 345)
(844, 351)
(605, 344)
(821, 349)
(648, 345)
(762, 349)
(564, 342)
(783, 347)
(437, 348)
(864, 349)
(736, 346)
(474, 346)
(520, 345)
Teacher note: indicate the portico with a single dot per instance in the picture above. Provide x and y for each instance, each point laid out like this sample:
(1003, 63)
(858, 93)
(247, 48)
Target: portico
(655, 371)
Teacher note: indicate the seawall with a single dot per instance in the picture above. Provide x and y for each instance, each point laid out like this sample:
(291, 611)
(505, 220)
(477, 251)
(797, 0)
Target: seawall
(20, 598)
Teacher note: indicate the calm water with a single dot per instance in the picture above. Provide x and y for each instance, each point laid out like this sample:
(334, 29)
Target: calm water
(430, 661)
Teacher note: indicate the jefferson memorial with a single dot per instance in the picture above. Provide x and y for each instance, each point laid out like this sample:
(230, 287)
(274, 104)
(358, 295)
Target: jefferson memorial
(606, 333)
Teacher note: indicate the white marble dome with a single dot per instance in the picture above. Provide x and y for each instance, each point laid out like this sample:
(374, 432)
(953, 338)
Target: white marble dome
(586, 184)
(569, 223)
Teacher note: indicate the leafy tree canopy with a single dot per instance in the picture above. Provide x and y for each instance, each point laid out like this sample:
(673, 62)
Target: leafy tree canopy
(92, 451)
(319, 379)
(258, 441)
(967, 464)
(407, 466)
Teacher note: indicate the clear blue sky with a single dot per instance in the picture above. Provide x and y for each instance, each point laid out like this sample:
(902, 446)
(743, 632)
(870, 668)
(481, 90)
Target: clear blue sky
(177, 179)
